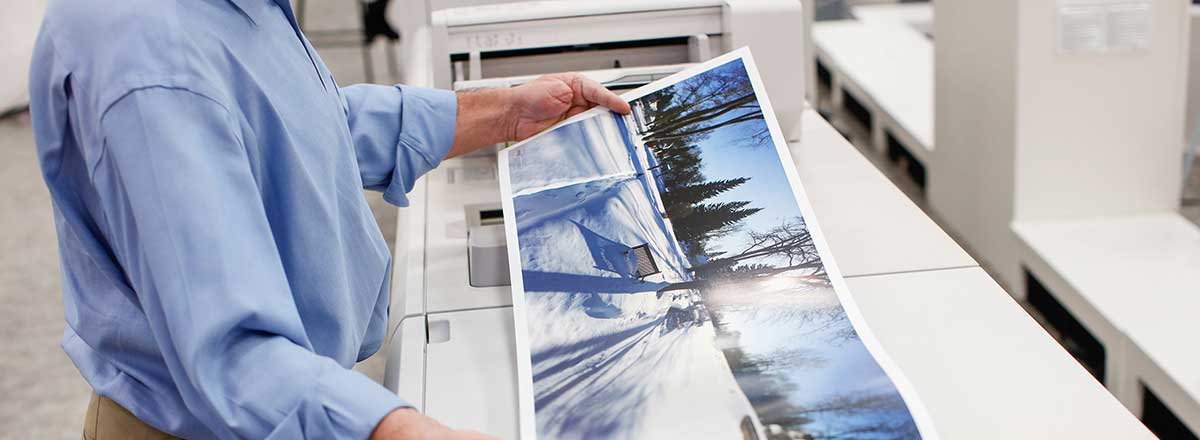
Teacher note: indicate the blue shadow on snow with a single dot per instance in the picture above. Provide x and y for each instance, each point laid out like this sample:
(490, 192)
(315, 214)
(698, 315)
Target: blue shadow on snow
(607, 255)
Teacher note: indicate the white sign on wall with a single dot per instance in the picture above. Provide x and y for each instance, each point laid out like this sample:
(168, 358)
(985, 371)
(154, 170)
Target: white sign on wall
(1129, 26)
(1102, 27)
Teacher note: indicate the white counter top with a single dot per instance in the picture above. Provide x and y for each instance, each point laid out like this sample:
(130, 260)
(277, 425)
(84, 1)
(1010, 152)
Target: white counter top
(917, 15)
(871, 226)
(892, 65)
(983, 367)
(1141, 274)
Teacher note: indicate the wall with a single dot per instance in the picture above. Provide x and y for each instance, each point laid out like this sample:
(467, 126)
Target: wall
(18, 28)
(971, 171)
(1099, 134)
(1026, 132)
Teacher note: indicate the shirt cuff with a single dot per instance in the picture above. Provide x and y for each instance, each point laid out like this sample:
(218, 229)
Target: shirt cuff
(427, 118)
(355, 404)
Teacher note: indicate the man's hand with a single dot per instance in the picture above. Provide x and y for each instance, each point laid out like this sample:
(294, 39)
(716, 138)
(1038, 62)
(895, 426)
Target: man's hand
(486, 117)
(550, 99)
(408, 424)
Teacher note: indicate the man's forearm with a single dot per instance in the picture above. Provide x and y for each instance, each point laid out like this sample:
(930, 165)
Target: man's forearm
(484, 118)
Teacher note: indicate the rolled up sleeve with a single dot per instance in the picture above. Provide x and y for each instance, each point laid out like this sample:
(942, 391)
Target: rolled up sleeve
(188, 224)
(399, 133)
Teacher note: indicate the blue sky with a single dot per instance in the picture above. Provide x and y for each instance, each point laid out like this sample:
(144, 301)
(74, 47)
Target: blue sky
(731, 152)
(768, 187)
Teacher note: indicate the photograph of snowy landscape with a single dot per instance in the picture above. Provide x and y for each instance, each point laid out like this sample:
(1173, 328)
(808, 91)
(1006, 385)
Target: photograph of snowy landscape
(670, 287)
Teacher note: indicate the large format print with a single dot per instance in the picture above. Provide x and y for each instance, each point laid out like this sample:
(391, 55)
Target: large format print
(669, 283)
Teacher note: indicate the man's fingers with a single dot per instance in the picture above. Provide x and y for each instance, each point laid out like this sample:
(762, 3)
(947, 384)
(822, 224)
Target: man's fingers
(595, 93)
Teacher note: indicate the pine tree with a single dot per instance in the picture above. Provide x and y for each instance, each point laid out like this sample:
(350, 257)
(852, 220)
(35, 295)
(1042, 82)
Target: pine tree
(708, 219)
(681, 201)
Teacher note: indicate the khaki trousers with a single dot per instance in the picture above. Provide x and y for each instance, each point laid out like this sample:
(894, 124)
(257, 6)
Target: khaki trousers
(106, 420)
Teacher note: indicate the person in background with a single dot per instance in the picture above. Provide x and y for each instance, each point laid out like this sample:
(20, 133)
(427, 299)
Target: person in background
(221, 269)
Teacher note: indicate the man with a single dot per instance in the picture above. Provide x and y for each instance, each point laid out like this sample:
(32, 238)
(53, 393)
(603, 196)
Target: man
(221, 269)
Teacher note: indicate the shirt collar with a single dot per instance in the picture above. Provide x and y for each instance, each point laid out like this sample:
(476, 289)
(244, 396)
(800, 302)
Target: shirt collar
(255, 9)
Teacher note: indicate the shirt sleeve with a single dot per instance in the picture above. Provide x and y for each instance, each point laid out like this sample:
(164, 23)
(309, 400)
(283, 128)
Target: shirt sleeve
(400, 133)
(188, 224)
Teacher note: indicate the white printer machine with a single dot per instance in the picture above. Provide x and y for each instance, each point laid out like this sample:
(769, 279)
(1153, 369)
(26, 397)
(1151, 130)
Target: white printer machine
(451, 350)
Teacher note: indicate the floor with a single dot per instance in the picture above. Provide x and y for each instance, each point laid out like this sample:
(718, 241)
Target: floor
(43, 395)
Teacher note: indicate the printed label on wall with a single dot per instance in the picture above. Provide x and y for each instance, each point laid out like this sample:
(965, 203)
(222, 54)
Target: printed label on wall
(1103, 27)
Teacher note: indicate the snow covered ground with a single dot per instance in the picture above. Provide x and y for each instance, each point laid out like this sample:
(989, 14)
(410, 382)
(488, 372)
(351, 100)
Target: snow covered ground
(607, 361)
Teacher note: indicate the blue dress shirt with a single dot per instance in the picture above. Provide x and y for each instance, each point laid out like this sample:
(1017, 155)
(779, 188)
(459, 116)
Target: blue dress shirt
(221, 268)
